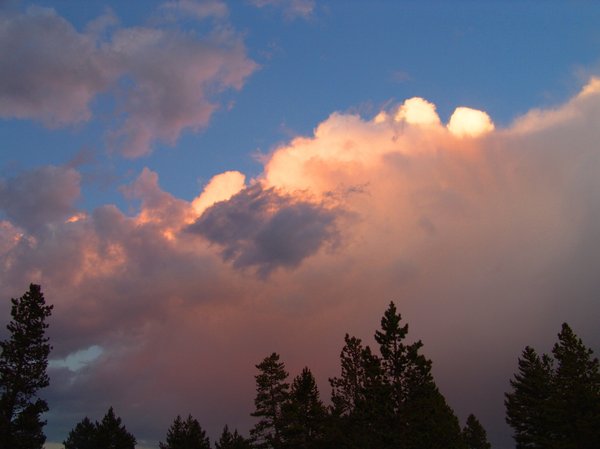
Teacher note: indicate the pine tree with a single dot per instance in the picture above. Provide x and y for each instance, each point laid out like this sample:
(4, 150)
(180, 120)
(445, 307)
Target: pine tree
(527, 406)
(186, 434)
(111, 434)
(83, 436)
(23, 364)
(359, 398)
(474, 435)
(233, 440)
(271, 394)
(575, 403)
(555, 401)
(415, 414)
(304, 413)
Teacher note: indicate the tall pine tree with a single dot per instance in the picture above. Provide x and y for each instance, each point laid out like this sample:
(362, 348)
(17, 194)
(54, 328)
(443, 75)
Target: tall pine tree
(272, 392)
(23, 364)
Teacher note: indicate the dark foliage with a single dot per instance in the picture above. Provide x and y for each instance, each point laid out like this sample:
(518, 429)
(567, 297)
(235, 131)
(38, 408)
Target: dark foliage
(186, 435)
(233, 440)
(110, 433)
(555, 401)
(23, 364)
(272, 392)
(474, 435)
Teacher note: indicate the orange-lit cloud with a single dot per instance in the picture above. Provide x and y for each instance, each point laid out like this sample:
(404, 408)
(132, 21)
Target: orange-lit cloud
(186, 296)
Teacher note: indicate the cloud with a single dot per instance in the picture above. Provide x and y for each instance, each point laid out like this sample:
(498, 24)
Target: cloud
(469, 122)
(48, 70)
(264, 229)
(292, 9)
(470, 235)
(44, 195)
(164, 80)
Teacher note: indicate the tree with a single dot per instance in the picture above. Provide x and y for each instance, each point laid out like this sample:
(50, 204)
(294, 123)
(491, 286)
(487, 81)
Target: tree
(23, 364)
(555, 401)
(359, 398)
(186, 435)
(575, 402)
(303, 414)
(111, 434)
(415, 414)
(233, 440)
(271, 394)
(474, 435)
(107, 434)
(83, 436)
(527, 406)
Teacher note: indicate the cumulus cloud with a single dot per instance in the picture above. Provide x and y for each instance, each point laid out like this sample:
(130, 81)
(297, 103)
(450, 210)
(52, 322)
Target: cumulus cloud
(44, 195)
(48, 70)
(264, 229)
(469, 122)
(470, 236)
(166, 79)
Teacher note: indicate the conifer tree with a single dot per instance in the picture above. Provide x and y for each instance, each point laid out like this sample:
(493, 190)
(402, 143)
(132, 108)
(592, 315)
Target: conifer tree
(23, 364)
(575, 403)
(272, 392)
(415, 414)
(112, 434)
(186, 434)
(358, 397)
(303, 414)
(83, 436)
(555, 401)
(474, 435)
(233, 440)
(528, 405)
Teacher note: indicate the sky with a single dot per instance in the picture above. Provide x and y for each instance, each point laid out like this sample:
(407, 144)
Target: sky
(197, 184)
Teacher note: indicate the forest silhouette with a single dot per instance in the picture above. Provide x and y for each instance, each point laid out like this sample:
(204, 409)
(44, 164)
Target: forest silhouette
(385, 398)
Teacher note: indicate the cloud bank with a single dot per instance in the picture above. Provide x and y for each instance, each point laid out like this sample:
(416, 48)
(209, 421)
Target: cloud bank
(473, 230)
(163, 79)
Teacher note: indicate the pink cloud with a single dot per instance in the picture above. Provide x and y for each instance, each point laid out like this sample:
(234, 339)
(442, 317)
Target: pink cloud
(51, 72)
(493, 236)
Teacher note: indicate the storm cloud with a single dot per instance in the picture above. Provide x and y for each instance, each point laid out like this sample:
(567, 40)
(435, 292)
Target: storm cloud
(486, 237)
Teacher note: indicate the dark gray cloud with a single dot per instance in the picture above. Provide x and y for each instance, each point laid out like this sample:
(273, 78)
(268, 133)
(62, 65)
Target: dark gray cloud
(40, 196)
(264, 229)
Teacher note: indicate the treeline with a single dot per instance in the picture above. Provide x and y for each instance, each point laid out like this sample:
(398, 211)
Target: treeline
(383, 399)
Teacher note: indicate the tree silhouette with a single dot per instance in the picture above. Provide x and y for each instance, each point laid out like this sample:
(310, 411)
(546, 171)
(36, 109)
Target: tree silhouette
(233, 440)
(83, 436)
(23, 364)
(555, 401)
(475, 435)
(110, 433)
(271, 394)
(304, 413)
(186, 435)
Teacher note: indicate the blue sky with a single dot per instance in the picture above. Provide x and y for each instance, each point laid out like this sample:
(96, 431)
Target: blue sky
(280, 170)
